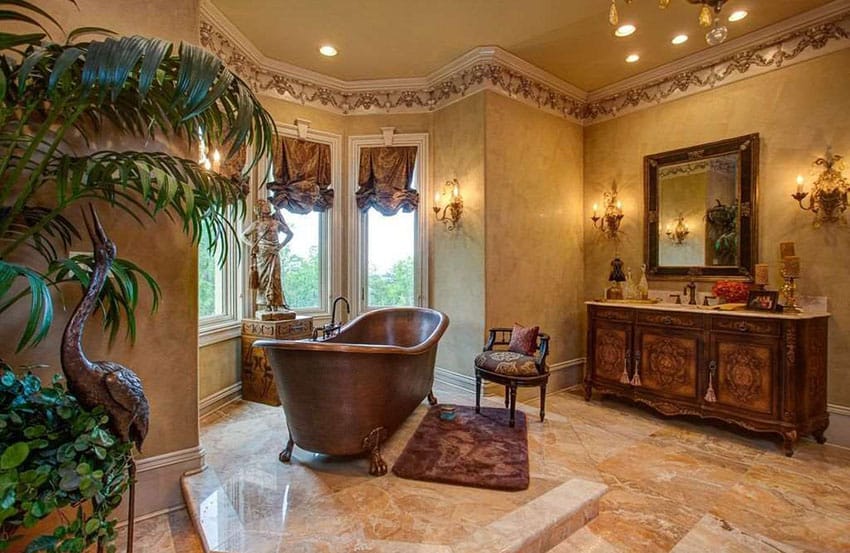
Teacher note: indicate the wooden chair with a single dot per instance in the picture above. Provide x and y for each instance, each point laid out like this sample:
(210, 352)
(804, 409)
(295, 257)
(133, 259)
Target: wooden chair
(512, 370)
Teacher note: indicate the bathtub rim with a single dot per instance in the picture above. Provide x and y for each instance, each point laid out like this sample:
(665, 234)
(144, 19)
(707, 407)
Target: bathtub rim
(349, 347)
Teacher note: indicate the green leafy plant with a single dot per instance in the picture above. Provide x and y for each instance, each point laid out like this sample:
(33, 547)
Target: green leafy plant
(58, 99)
(56, 454)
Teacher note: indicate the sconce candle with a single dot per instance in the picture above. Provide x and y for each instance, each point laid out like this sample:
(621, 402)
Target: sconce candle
(762, 273)
(800, 181)
(791, 266)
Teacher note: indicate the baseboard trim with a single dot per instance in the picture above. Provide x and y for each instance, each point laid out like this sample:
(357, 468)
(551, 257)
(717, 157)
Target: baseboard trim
(168, 459)
(838, 409)
(838, 433)
(216, 401)
(158, 481)
(450, 378)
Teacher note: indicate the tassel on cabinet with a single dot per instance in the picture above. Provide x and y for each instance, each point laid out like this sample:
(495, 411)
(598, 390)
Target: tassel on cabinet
(710, 396)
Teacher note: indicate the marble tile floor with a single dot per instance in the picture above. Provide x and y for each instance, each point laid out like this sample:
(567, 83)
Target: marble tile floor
(673, 484)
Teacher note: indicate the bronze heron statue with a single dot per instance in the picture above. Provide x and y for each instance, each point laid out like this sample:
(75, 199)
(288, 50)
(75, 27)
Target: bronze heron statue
(105, 383)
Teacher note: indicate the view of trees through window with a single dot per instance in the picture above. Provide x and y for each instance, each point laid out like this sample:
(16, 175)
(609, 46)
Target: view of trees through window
(209, 281)
(390, 245)
(301, 261)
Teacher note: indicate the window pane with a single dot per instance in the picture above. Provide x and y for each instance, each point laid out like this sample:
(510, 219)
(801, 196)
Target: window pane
(301, 261)
(390, 252)
(210, 292)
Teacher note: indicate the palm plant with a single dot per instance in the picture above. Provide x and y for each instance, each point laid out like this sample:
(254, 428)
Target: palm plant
(59, 97)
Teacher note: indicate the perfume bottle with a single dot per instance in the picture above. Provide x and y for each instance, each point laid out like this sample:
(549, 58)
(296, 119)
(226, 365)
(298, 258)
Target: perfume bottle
(643, 285)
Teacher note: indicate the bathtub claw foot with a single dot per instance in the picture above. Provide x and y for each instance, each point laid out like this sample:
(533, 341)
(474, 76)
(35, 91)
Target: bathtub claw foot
(372, 442)
(432, 399)
(286, 454)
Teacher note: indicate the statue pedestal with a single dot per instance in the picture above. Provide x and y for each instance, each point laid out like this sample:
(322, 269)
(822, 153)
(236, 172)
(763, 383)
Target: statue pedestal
(257, 376)
(274, 315)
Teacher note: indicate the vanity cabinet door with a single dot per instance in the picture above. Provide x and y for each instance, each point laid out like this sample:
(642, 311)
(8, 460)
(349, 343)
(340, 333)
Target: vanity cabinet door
(611, 347)
(668, 361)
(746, 373)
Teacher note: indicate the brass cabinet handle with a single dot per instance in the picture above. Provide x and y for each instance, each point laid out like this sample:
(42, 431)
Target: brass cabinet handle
(667, 320)
(743, 327)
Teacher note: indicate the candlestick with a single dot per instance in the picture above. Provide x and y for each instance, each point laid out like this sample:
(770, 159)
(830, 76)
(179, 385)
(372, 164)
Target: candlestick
(786, 249)
(791, 266)
(800, 181)
(762, 273)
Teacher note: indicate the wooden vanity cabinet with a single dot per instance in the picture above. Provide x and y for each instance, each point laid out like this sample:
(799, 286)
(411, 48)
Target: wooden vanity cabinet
(765, 373)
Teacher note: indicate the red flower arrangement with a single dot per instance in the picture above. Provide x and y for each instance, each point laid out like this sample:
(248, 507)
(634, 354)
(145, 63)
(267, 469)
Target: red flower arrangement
(731, 291)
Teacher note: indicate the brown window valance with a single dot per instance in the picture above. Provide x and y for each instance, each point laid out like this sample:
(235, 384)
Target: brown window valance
(385, 179)
(302, 176)
(233, 166)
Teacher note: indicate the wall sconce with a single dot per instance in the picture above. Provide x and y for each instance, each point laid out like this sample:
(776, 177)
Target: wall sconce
(609, 221)
(450, 213)
(678, 232)
(828, 199)
(205, 160)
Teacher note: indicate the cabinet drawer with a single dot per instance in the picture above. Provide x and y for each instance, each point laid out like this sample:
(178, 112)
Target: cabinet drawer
(746, 325)
(613, 314)
(670, 318)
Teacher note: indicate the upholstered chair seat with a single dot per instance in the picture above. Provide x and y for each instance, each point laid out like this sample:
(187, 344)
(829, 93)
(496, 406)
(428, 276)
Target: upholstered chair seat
(507, 363)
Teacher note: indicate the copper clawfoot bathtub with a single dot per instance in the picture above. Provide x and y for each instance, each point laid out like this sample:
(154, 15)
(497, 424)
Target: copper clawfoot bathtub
(347, 394)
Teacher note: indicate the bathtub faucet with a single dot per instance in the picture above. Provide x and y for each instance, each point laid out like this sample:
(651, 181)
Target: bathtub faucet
(333, 310)
(332, 327)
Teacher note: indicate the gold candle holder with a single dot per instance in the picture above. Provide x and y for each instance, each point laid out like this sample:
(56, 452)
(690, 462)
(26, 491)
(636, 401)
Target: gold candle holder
(789, 292)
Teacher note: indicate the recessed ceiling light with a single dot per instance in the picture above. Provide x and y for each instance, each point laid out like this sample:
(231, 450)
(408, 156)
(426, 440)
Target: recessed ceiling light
(738, 15)
(631, 58)
(625, 30)
(679, 39)
(328, 50)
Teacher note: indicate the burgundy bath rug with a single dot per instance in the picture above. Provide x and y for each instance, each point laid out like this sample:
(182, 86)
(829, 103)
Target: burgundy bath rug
(478, 450)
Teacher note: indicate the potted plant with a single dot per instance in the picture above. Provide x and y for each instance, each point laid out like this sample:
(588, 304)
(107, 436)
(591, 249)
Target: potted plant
(57, 97)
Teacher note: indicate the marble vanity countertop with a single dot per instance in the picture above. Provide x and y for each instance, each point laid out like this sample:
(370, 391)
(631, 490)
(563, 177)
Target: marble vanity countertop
(710, 310)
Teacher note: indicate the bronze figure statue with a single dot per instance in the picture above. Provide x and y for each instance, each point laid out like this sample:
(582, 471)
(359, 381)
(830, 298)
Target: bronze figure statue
(104, 383)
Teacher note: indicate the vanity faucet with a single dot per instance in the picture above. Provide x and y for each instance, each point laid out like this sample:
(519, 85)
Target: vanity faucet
(678, 298)
(691, 290)
(333, 310)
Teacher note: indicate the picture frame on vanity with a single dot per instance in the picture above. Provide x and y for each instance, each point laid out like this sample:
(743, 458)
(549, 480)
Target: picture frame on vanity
(762, 300)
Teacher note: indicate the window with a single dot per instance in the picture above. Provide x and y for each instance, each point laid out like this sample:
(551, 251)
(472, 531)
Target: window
(308, 260)
(303, 260)
(390, 251)
(218, 294)
(389, 268)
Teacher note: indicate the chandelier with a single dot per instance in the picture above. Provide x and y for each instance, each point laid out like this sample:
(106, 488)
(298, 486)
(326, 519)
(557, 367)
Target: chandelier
(709, 16)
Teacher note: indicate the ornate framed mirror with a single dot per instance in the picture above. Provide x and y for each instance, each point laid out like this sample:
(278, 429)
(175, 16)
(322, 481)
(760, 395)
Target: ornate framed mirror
(700, 215)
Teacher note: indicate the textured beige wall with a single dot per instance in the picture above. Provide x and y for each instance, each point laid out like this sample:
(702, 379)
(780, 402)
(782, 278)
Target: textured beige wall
(457, 256)
(219, 366)
(534, 238)
(798, 111)
(165, 353)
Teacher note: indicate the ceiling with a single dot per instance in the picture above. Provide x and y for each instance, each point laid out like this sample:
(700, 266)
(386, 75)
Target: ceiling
(570, 39)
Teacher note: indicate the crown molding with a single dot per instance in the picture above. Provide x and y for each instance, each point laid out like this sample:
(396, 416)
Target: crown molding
(811, 34)
(487, 67)
(808, 35)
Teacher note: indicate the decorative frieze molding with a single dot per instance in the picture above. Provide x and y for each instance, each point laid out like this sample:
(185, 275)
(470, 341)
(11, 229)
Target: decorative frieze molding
(489, 68)
(780, 50)
(811, 34)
